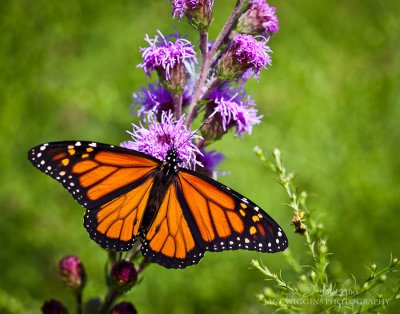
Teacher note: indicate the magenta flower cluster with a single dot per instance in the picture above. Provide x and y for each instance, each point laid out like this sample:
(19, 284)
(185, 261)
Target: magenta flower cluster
(259, 19)
(250, 53)
(181, 7)
(212, 92)
(164, 55)
(163, 134)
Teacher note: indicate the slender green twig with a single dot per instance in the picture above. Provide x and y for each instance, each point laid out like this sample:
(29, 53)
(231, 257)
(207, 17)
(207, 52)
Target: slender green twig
(316, 286)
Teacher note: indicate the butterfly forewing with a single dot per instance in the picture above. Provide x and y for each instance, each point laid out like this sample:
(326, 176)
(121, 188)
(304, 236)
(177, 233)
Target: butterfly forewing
(113, 183)
(93, 173)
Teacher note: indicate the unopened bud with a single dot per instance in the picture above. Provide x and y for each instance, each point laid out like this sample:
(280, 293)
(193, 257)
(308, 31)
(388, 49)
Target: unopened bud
(72, 272)
(124, 274)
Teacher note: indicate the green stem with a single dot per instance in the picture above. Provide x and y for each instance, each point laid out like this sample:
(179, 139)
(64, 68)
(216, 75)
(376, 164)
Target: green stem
(208, 57)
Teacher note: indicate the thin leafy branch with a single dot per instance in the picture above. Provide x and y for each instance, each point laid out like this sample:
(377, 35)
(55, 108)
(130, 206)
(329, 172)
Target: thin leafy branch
(316, 290)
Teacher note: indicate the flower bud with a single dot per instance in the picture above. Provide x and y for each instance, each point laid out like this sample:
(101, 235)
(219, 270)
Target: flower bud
(124, 274)
(72, 272)
(53, 307)
(198, 12)
(170, 59)
(244, 55)
(124, 308)
(258, 19)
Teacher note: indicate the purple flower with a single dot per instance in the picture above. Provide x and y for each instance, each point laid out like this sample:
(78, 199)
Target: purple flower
(250, 53)
(156, 98)
(181, 7)
(228, 108)
(72, 272)
(199, 12)
(258, 19)
(170, 59)
(123, 308)
(244, 53)
(54, 307)
(227, 91)
(241, 114)
(161, 136)
(124, 274)
(210, 161)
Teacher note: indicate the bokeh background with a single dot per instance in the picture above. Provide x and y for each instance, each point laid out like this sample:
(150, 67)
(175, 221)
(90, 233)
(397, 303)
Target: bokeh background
(331, 102)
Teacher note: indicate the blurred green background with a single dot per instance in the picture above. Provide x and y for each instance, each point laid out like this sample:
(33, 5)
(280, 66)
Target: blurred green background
(331, 102)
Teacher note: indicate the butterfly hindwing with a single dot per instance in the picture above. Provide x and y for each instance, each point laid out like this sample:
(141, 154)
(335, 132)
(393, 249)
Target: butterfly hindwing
(226, 220)
(169, 240)
(199, 214)
(117, 223)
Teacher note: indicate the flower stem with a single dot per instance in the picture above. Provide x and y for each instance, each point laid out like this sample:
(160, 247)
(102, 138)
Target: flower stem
(203, 44)
(178, 105)
(112, 295)
(207, 61)
(79, 301)
(142, 265)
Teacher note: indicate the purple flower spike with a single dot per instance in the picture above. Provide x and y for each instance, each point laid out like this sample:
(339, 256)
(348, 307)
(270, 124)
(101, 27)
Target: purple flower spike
(162, 136)
(258, 19)
(168, 58)
(226, 109)
(250, 53)
(72, 272)
(210, 161)
(124, 274)
(245, 53)
(181, 7)
(124, 308)
(199, 12)
(155, 98)
(54, 307)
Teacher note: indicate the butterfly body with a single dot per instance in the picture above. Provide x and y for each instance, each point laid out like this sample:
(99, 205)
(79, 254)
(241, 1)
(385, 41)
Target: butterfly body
(164, 176)
(177, 214)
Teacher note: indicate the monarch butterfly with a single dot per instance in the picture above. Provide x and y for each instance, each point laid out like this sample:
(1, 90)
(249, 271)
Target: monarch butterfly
(178, 214)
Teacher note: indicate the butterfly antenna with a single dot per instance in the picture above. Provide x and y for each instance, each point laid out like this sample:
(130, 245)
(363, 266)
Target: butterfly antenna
(207, 120)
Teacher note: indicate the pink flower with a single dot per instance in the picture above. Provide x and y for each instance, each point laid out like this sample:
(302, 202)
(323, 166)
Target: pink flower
(258, 19)
(161, 136)
(164, 56)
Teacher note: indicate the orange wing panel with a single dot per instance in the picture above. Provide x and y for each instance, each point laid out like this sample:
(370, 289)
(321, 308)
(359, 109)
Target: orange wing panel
(169, 233)
(84, 166)
(198, 206)
(123, 215)
(209, 191)
(118, 179)
(95, 175)
(123, 160)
